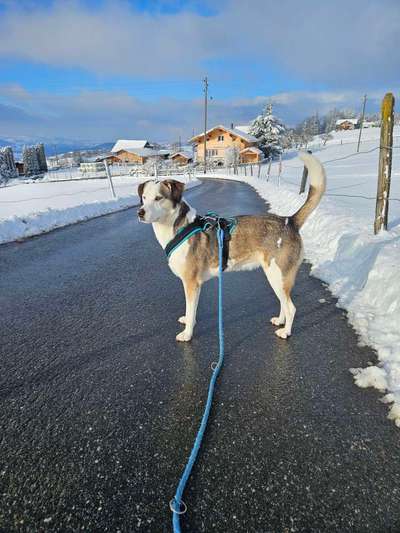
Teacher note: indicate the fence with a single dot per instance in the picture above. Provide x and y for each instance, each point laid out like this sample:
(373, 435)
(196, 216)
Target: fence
(116, 170)
(352, 175)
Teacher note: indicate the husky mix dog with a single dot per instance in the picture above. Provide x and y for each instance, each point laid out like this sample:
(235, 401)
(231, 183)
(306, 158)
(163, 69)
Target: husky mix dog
(268, 241)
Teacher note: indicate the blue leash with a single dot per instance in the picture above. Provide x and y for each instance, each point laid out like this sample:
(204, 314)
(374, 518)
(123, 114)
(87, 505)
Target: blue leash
(177, 505)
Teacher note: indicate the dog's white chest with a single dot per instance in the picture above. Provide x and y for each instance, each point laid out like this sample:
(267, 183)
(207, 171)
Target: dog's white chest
(177, 260)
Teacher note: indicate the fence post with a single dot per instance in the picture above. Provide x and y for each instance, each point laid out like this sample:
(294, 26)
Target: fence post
(269, 168)
(259, 169)
(385, 164)
(109, 179)
(251, 170)
(279, 170)
(304, 177)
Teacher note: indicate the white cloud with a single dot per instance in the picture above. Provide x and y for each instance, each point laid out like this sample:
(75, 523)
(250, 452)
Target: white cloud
(103, 116)
(341, 43)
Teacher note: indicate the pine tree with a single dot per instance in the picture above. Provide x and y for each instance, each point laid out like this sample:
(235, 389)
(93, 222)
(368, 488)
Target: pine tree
(273, 135)
(8, 169)
(30, 160)
(41, 156)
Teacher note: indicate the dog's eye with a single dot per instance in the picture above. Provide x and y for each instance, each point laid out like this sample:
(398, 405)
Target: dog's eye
(158, 198)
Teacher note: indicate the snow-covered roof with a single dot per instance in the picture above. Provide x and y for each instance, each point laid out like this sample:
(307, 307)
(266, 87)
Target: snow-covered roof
(351, 120)
(253, 149)
(144, 152)
(127, 144)
(243, 127)
(183, 153)
(234, 131)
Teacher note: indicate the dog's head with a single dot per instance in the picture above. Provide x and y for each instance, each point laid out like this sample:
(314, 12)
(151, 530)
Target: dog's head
(158, 199)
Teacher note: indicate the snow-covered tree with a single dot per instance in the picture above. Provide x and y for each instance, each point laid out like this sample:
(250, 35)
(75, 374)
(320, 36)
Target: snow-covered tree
(271, 132)
(30, 160)
(326, 137)
(41, 156)
(232, 156)
(7, 164)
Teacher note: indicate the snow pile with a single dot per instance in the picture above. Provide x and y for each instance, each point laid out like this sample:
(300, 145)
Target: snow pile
(29, 209)
(362, 269)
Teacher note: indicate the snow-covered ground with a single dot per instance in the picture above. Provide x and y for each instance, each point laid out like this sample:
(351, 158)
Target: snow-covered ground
(362, 269)
(28, 209)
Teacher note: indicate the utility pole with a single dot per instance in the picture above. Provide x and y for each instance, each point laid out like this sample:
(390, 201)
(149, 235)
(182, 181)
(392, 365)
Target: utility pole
(205, 122)
(361, 123)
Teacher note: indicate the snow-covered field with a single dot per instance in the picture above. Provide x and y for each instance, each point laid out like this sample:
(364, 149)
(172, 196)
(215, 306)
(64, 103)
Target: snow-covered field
(28, 209)
(362, 269)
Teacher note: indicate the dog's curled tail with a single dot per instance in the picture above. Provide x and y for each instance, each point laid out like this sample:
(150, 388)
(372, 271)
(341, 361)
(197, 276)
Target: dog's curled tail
(317, 177)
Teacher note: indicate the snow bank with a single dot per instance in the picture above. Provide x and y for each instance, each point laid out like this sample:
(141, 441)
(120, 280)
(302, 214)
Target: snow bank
(29, 209)
(362, 269)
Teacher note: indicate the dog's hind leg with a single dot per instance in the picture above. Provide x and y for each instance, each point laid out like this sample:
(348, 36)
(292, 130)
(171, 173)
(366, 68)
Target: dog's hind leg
(192, 294)
(282, 289)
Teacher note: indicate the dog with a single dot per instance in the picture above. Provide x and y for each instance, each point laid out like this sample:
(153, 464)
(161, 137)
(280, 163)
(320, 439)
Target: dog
(268, 241)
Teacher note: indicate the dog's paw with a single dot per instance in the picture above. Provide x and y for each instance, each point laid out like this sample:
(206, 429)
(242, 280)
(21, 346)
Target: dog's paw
(183, 336)
(182, 320)
(282, 333)
(276, 321)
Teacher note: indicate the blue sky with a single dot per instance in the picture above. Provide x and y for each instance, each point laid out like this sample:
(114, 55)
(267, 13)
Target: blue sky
(96, 69)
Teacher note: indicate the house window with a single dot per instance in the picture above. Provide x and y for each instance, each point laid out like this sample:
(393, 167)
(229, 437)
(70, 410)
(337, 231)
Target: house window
(212, 153)
(220, 137)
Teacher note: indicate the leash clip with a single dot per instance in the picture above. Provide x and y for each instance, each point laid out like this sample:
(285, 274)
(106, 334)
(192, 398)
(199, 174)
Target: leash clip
(173, 502)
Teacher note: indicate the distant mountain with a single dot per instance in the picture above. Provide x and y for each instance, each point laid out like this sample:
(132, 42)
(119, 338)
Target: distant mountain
(53, 146)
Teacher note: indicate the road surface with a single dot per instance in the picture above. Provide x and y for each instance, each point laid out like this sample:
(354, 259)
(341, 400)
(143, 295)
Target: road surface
(99, 405)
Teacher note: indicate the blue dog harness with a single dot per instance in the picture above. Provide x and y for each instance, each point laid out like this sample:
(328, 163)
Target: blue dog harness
(210, 222)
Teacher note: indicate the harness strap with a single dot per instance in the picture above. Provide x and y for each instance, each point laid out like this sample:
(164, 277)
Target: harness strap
(184, 234)
(211, 221)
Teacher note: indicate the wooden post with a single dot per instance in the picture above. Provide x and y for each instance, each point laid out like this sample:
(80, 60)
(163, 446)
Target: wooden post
(251, 170)
(245, 170)
(304, 177)
(385, 164)
(269, 168)
(280, 170)
(259, 169)
(110, 182)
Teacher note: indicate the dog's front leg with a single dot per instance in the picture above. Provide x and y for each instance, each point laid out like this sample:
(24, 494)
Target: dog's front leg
(192, 293)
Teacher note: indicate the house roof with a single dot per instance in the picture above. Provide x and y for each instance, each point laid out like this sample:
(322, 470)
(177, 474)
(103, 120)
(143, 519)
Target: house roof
(126, 144)
(243, 127)
(342, 120)
(253, 149)
(246, 136)
(183, 153)
(142, 152)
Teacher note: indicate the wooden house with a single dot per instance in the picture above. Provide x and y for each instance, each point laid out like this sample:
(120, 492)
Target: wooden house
(133, 152)
(346, 124)
(219, 139)
(251, 154)
(181, 158)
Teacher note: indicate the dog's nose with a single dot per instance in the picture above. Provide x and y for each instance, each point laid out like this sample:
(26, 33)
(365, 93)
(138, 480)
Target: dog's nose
(141, 213)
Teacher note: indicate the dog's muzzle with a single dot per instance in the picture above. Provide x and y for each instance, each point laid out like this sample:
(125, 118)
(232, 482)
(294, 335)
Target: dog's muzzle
(141, 213)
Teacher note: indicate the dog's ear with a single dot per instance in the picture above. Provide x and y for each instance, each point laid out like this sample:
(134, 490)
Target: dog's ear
(140, 191)
(176, 189)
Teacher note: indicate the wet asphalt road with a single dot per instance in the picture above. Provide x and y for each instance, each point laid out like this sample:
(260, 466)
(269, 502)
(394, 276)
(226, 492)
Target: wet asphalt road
(99, 405)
